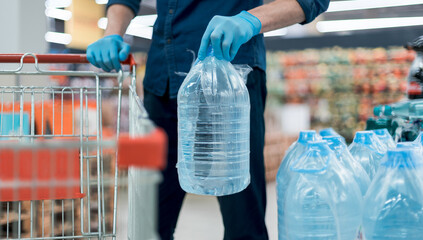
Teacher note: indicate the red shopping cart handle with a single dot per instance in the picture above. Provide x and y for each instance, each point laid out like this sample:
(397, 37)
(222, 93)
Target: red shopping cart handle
(54, 58)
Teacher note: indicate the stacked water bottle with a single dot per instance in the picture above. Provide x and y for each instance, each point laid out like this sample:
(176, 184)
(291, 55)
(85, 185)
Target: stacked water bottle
(371, 190)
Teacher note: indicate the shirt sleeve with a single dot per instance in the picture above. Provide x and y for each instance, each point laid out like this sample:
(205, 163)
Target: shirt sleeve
(313, 8)
(134, 5)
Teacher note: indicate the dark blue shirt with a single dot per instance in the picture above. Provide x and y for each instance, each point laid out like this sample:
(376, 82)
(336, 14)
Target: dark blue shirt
(180, 25)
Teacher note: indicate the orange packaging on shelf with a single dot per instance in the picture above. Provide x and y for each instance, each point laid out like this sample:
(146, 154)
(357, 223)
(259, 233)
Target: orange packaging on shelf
(64, 121)
(39, 174)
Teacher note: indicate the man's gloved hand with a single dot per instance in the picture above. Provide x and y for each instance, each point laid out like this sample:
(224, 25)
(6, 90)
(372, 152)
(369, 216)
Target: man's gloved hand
(108, 52)
(227, 34)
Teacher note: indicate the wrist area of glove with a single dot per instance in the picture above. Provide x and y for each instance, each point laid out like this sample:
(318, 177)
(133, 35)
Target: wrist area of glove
(252, 20)
(115, 37)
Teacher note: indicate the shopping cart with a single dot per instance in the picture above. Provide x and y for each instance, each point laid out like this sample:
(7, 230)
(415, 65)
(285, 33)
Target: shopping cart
(61, 169)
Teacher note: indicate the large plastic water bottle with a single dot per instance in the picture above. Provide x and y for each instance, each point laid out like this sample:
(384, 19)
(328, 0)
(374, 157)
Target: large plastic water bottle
(394, 202)
(323, 201)
(213, 129)
(368, 151)
(385, 137)
(284, 174)
(344, 156)
(412, 145)
(327, 132)
(419, 139)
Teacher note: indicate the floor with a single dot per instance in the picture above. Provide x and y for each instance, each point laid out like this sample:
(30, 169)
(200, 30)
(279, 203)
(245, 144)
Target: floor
(200, 217)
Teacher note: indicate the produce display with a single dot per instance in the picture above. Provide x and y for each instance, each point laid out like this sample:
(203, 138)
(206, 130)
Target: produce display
(341, 86)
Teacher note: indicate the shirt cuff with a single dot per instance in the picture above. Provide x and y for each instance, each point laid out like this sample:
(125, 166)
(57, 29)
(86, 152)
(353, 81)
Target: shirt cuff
(313, 8)
(134, 5)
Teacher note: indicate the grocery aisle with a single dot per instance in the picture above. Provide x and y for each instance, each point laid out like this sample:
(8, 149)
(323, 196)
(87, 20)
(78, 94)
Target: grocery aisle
(200, 217)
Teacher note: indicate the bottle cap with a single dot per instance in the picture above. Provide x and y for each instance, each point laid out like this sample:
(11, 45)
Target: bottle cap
(382, 132)
(402, 158)
(328, 132)
(407, 145)
(378, 110)
(306, 136)
(387, 111)
(364, 137)
(335, 141)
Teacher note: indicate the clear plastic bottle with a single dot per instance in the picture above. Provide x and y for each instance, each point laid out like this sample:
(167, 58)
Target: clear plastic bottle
(419, 139)
(411, 145)
(284, 174)
(368, 151)
(213, 129)
(323, 201)
(385, 137)
(344, 156)
(327, 132)
(394, 202)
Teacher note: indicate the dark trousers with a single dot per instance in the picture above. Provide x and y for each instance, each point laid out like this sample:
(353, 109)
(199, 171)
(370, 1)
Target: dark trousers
(243, 212)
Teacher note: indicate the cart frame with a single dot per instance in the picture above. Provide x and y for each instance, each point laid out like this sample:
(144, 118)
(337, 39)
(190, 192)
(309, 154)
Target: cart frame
(88, 141)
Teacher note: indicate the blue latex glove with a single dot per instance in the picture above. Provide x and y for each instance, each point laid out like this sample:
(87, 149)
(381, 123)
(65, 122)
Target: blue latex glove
(227, 34)
(108, 52)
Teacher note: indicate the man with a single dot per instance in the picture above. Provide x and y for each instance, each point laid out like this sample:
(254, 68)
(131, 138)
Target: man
(235, 36)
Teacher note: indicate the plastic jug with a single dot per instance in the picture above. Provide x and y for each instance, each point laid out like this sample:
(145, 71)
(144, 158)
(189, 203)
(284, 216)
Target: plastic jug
(412, 145)
(394, 202)
(213, 129)
(368, 151)
(385, 137)
(327, 132)
(419, 139)
(344, 156)
(323, 201)
(284, 175)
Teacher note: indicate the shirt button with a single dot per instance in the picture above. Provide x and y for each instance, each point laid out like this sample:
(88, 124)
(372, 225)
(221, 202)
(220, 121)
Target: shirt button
(169, 40)
(170, 11)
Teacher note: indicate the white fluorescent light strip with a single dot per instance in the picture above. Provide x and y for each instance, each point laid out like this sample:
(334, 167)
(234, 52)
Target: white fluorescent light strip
(60, 38)
(146, 20)
(140, 26)
(339, 6)
(102, 23)
(140, 31)
(58, 14)
(58, 3)
(276, 33)
(101, 1)
(364, 24)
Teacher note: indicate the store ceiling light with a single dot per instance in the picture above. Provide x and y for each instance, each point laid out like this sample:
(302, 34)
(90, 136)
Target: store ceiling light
(58, 3)
(101, 1)
(340, 6)
(58, 13)
(140, 26)
(364, 24)
(145, 20)
(102, 23)
(276, 33)
(56, 37)
(140, 31)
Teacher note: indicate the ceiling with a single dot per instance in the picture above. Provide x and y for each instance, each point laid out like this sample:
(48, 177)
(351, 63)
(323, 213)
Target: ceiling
(303, 36)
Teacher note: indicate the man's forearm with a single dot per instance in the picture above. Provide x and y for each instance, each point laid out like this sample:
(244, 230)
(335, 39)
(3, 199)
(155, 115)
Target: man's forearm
(278, 14)
(119, 16)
